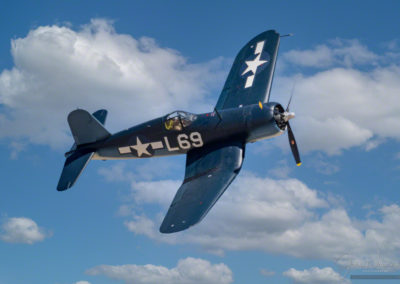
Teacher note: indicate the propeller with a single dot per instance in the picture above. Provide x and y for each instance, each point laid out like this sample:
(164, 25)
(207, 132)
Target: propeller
(293, 145)
(291, 96)
(292, 141)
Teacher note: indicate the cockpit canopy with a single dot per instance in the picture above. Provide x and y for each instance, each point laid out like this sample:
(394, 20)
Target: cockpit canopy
(178, 120)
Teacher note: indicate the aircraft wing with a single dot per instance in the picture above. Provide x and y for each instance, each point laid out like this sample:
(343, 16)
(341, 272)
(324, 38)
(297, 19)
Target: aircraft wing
(250, 78)
(209, 171)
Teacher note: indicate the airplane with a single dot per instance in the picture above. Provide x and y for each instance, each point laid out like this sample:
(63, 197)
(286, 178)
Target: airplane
(214, 142)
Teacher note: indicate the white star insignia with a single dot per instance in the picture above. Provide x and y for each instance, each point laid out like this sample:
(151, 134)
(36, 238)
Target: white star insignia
(252, 65)
(141, 148)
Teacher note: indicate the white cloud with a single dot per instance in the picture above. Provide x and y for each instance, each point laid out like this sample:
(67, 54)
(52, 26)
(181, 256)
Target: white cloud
(320, 56)
(142, 225)
(276, 216)
(330, 135)
(349, 99)
(188, 271)
(322, 164)
(338, 52)
(58, 69)
(145, 169)
(161, 192)
(270, 204)
(82, 282)
(316, 275)
(352, 52)
(280, 170)
(116, 172)
(16, 148)
(373, 143)
(22, 230)
(339, 108)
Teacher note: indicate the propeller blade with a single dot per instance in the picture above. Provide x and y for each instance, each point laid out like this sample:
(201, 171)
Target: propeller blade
(291, 96)
(293, 145)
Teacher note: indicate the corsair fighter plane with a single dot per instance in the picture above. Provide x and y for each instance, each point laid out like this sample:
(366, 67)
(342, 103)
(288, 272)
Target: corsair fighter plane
(214, 142)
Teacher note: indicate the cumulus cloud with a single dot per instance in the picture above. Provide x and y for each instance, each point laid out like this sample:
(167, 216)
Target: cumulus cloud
(272, 215)
(82, 282)
(348, 99)
(336, 52)
(144, 170)
(340, 108)
(188, 271)
(316, 275)
(16, 148)
(58, 69)
(272, 205)
(22, 230)
(323, 165)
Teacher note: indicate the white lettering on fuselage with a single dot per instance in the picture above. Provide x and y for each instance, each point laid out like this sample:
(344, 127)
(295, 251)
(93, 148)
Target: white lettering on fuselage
(168, 146)
(184, 141)
(194, 140)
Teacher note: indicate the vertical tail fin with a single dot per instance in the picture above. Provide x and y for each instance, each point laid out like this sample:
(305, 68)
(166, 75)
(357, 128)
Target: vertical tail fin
(85, 128)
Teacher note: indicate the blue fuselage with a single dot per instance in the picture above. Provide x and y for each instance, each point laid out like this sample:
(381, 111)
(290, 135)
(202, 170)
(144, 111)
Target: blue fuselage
(158, 137)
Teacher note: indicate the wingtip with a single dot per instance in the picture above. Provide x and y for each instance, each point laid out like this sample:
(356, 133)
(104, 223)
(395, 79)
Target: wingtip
(172, 228)
(62, 186)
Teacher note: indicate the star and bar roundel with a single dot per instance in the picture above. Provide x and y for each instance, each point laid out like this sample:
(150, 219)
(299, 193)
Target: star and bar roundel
(141, 147)
(259, 60)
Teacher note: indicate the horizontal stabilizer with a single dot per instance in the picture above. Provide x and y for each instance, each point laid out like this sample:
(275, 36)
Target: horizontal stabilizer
(86, 128)
(73, 167)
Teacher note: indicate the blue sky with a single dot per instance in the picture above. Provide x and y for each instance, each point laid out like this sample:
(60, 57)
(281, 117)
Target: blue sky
(336, 215)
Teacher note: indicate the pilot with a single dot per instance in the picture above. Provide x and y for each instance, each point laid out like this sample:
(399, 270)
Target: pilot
(176, 123)
(173, 123)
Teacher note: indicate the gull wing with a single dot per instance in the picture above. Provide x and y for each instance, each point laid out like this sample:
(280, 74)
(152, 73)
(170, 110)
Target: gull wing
(250, 78)
(209, 171)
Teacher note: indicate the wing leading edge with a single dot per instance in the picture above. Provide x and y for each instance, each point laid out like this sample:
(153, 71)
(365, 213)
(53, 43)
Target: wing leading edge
(209, 171)
(250, 78)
